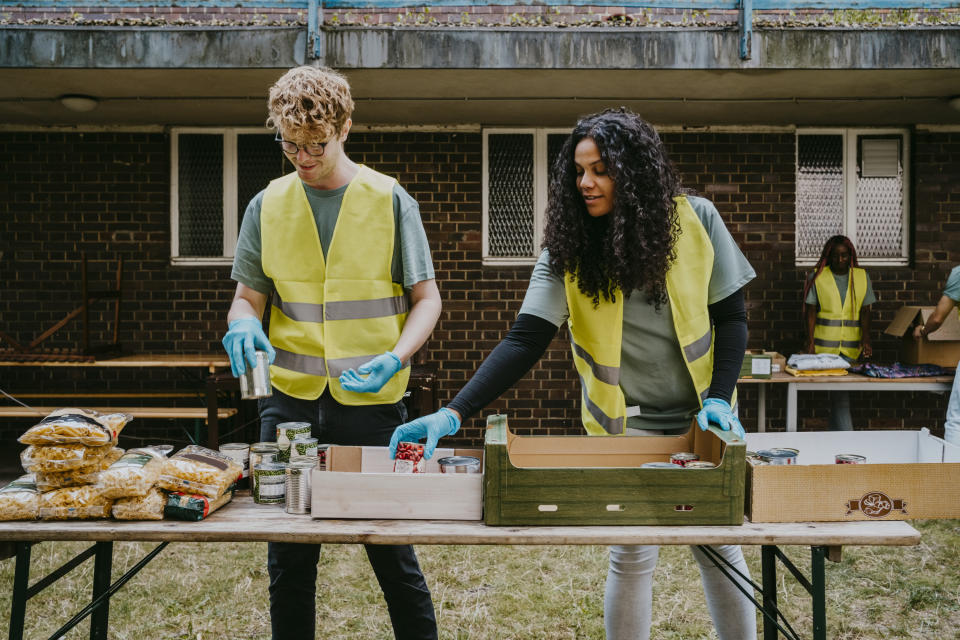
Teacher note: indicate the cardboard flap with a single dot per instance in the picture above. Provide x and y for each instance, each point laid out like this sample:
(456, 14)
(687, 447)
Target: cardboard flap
(949, 330)
(903, 320)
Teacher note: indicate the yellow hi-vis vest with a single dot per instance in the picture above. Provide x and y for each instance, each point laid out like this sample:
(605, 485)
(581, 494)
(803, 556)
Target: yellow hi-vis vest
(838, 325)
(596, 333)
(335, 314)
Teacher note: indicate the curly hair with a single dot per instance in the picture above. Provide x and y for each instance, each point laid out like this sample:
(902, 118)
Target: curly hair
(832, 243)
(632, 247)
(314, 102)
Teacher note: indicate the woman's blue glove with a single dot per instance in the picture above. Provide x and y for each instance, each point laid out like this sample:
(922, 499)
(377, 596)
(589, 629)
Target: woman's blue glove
(380, 370)
(432, 427)
(719, 413)
(245, 337)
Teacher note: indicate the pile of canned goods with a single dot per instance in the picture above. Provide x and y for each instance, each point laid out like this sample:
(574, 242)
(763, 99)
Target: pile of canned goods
(683, 459)
(789, 455)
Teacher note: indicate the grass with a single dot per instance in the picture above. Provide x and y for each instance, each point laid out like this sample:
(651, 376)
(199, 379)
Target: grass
(208, 591)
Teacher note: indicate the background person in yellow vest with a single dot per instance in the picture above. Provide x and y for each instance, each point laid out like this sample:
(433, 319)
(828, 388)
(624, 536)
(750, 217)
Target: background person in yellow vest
(343, 251)
(948, 302)
(643, 276)
(837, 298)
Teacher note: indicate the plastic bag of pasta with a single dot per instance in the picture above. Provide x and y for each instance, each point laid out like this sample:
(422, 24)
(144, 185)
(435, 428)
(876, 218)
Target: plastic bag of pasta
(74, 503)
(133, 474)
(76, 426)
(62, 457)
(86, 474)
(146, 507)
(185, 506)
(196, 469)
(19, 500)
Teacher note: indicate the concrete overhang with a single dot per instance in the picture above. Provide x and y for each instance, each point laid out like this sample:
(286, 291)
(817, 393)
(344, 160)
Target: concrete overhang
(518, 76)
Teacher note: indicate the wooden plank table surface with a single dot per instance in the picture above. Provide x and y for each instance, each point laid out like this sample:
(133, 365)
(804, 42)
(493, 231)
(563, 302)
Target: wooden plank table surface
(212, 361)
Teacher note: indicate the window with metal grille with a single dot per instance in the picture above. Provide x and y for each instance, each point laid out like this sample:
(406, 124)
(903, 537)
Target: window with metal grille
(516, 166)
(214, 174)
(853, 182)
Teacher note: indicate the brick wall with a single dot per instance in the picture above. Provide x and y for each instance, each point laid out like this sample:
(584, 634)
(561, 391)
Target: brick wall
(105, 193)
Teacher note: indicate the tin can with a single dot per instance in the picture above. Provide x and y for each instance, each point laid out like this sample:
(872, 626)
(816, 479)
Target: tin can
(781, 456)
(260, 453)
(269, 483)
(302, 447)
(288, 432)
(409, 458)
(322, 456)
(255, 381)
(299, 478)
(699, 464)
(658, 465)
(849, 458)
(240, 452)
(683, 457)
(459, 464)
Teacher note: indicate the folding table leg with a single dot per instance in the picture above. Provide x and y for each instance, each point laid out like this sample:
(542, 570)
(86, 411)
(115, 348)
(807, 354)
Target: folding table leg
(21, 582)
(768, 569)
(102, 569)
(818, 592)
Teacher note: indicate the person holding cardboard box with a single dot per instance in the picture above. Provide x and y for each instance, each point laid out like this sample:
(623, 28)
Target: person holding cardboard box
(948, 301)
(649, 282)
(836, 302)
(343, 251)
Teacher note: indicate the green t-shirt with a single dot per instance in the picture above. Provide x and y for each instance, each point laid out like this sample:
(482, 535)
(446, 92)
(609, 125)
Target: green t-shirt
(653, 374)
(411, 253)
(952, 290)
(842, 283)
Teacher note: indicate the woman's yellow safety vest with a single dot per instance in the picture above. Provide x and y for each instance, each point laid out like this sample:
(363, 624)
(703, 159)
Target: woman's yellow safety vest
(838, 324)
(335, 314)
(596, 333)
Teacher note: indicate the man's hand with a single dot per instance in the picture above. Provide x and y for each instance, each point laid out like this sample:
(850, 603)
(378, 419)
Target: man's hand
(378, 372)
(432, 427)
(718, 412)
(243, 339)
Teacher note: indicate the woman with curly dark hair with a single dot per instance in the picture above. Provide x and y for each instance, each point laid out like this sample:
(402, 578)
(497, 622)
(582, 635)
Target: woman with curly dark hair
(649, 282)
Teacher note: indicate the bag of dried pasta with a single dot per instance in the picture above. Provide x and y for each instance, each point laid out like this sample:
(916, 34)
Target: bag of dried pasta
(86, 474)
(76, 426)
(62, 457)
(74, 503)
(196, 469)
(133, 474)
(185, 506)
(19, 500)
(146, 507)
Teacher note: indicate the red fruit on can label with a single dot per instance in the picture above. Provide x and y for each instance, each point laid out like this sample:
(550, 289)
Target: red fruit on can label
(409, 458)
(849, 458)
(683, 457)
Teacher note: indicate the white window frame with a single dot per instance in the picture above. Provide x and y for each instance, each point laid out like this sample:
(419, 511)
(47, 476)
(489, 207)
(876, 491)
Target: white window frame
(850, 136)
(541, 171)
(228, 184)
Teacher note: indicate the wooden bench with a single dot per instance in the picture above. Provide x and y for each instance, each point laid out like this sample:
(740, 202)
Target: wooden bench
(197, 413)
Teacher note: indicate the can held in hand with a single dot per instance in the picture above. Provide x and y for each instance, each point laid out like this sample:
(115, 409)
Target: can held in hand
(299, 478)
(303, 447)
(409, 458)
(240, 452)
(287, 432)
(269, 483)
(683, 457)
(459, 464)
(255, 381)
(849, 458)
(779, 456)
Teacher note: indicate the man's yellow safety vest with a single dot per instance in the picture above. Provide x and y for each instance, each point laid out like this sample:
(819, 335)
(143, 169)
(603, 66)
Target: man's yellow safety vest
(838, 324)
(597, 332)
(335, 314)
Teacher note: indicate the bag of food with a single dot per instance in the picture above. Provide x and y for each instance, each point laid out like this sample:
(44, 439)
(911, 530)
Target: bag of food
(62, 457)
(145, 507)
(133, 474)
(184, 506)
(76, 426)
(196, 469)
(19, 500)
(86, 474)
(74, 503)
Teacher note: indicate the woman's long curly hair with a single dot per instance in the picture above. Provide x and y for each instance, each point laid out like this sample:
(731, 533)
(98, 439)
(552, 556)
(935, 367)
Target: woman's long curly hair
(632, 246)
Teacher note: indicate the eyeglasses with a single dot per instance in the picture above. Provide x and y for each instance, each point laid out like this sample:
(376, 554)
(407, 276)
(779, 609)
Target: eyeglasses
(315, 149)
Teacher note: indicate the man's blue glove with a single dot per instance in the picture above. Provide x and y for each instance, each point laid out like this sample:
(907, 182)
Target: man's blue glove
(432, 427)
(378, 372)
(719, 413)
(245, 337)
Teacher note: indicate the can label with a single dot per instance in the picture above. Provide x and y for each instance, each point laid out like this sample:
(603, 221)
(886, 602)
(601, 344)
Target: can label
(287, 432)
(683, 457)
(409, 458)
(849, 458)
(239, 452)
(779, 456)
(304, 448)
(269, 484)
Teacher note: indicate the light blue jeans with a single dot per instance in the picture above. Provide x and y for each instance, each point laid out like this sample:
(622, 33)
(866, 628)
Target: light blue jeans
(951, 428)
(628, 601)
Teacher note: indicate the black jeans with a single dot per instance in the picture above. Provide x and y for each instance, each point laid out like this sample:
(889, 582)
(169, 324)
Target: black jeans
(293, 567)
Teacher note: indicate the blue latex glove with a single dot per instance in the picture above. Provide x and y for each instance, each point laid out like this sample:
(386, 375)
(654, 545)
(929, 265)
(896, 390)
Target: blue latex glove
(432, 427)
(719, 413)
(245, 337)
(378, 372)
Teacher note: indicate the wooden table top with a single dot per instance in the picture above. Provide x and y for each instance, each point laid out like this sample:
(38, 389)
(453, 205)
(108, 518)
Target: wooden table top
(217, 360)
(848, 378)
(244, 521)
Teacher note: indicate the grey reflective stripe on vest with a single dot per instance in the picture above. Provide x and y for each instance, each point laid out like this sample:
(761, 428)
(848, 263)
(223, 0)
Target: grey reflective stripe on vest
(362, 309)
(824, 322)
(312, 365)
(699, 347)
(613, 426)
(299, 311)
(830, 344)
(603, 373)
(848, 344)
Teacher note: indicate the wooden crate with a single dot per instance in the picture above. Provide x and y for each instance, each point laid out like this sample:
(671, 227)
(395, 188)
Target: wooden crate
(909, 474)
(359, 483)
(590, 480)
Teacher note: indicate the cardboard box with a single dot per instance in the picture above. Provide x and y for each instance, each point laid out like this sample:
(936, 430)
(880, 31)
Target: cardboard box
(360, 483)
(595, 480)
(909, 474)
(761, 364)
(942, 347)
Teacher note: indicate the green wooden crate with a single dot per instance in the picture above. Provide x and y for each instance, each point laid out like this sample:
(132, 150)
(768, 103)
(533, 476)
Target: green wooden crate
(590, 480)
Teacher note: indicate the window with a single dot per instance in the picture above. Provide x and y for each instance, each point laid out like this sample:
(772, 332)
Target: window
(214, 173)
(853, 182)
(515, 174)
